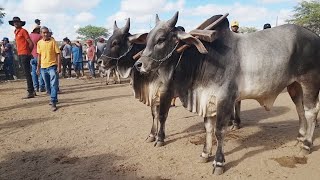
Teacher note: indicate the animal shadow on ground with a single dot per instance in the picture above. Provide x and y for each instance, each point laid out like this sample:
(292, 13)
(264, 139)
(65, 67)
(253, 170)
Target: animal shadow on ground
(29, 104)
(59, 163)
(13, 126)
(81, 88)
(271, 136)
(198, 128)
(67, 103)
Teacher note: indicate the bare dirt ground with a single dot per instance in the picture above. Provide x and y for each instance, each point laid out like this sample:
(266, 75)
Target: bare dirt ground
(99, 132)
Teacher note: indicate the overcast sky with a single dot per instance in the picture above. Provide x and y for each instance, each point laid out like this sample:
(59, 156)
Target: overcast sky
(65, 16)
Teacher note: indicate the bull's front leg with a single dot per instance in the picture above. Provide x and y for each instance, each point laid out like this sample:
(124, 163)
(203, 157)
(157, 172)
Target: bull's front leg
(224, 110)
(153, 132)
(235, 117)
(160, 113)
(207, 148)
(108, 76)
(118, 77)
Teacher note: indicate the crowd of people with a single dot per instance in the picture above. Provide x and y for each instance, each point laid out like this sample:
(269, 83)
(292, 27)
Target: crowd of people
(43, 60)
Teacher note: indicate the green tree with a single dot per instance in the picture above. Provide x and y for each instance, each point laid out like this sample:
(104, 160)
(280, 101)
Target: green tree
(307, 14)
(247, 29)
(92, 32)
(2, 14)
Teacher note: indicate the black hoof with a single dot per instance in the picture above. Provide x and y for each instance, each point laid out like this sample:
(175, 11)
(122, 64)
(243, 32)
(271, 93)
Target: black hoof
(235, 127)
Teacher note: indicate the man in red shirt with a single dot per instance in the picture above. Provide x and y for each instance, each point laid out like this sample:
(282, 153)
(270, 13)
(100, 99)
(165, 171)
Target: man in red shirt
(24, 48)
(91, 53)
(38, 82)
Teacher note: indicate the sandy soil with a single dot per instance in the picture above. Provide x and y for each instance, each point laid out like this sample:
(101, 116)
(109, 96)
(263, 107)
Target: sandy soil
(99, 132)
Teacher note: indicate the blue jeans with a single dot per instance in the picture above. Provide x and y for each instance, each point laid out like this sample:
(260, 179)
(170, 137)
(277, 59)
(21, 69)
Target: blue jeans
(37, 80)
(51, 78)
(91, 68)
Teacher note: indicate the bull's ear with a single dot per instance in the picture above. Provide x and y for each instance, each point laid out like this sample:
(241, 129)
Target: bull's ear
(138, 38)
(189, 39)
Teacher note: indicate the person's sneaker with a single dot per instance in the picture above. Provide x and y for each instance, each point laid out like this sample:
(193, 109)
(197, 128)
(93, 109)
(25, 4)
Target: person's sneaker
(42, 90)
(54, 107)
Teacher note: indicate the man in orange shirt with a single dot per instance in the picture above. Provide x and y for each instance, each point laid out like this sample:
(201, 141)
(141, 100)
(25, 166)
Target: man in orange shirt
(24, 48)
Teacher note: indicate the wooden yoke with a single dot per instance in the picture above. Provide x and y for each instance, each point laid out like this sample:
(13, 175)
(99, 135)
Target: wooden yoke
(203, 32)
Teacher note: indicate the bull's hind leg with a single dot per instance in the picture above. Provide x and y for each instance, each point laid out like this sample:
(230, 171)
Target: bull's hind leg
(311, 107)
(295, 92)
(207, 148)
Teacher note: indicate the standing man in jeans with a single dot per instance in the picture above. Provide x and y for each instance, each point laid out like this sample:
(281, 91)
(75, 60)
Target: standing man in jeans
(38, 82)
(24, 48)
(91, 53)
(66, 57)
(50, 64)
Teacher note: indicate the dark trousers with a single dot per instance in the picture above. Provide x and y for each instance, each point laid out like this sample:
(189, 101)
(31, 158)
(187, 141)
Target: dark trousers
(8, 67)
(25, 60)
(66, 62)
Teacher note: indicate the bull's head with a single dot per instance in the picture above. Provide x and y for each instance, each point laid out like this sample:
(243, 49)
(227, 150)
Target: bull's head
(120, 48)
(162, 43)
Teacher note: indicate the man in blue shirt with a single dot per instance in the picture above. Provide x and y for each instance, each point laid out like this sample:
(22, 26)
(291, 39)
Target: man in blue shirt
(7, 53)
(76, 57)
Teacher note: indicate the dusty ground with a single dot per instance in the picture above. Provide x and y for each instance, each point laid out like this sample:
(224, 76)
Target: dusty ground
(99, 132)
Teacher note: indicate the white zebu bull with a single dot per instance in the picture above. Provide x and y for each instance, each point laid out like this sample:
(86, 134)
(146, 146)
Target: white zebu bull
(210, 77)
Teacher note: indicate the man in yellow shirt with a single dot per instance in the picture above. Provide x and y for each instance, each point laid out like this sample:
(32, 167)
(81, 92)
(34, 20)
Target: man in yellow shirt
(50, 64)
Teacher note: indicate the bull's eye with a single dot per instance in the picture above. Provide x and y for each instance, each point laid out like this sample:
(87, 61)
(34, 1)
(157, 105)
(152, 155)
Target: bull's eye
(161, 40)
(115, 43)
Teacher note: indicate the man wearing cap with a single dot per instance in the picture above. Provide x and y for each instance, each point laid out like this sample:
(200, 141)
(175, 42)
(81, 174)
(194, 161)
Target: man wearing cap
(7, 53)
(235, 26)
(266, 26)
(24, 48)
(37, 21)
(38, 82)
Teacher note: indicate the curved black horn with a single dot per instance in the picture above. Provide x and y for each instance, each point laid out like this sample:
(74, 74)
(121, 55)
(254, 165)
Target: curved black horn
(126, 28)
(115, 26)
(173, 21)
(157, 19)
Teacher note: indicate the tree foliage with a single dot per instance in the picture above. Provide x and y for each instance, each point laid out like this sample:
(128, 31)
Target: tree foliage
(247, 29)
(2, 14)
(307, 14)
(92, 32)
